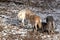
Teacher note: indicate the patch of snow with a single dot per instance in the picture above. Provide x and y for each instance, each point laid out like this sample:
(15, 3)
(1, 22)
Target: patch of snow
(58, 28)
(4, 16)
(56, 11)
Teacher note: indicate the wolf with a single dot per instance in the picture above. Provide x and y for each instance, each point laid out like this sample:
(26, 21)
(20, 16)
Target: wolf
(50, 24)
(32, 18)
(23, 13)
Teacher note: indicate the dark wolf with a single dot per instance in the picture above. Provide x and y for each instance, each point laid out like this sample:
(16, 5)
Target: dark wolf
(50, 24)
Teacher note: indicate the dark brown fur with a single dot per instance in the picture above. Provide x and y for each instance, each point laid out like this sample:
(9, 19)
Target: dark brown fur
(50, 24)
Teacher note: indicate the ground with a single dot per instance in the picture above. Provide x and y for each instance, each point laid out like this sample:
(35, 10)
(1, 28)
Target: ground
(11, 29)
